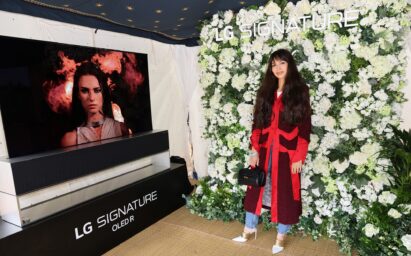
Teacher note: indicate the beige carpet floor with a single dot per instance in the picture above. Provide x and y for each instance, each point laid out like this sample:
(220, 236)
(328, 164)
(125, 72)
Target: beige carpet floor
(183, 234)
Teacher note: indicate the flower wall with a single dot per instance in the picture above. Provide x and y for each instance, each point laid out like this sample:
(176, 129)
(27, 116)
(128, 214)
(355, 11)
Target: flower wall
(355, 74)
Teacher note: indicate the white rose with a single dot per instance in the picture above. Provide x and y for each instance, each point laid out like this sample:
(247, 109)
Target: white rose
(339, 61)
(371, 149)
(304, 7)
(214, 188)
(248, 96)
(315, 192)
(313, 142)
(199, 190)
(350, 120)
(358, 158)
(317, 219)
(382, 65)
(227, 108)
(228, 15)
(329, 123)
(323, 105)
(239, 81)
(223, 77)
(340, 5)
(245, 59)
(340, 167)
(272, 9)
(364, 87)
(207, 79)
(371, 230)
(231, 179)
(321, 165)
(394, 213)
(406, 207)
(406, 241)
(386, 198)
(212, 171)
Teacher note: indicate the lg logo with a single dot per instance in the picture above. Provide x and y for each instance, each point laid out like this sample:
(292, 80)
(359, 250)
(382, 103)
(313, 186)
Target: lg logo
(87, 229)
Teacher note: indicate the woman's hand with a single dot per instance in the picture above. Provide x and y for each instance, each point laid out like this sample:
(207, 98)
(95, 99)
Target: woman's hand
(296, 167)
(253, 158)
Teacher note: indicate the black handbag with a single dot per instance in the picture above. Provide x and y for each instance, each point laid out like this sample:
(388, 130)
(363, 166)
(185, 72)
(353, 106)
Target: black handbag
(251, 176)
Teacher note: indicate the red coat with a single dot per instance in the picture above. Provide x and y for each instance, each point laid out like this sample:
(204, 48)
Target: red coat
(289, 144)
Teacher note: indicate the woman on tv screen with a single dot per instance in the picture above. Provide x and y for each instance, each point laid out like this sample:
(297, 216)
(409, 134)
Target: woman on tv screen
(91, 108)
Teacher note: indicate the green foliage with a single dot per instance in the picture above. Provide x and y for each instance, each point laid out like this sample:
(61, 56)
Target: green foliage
(217, 201)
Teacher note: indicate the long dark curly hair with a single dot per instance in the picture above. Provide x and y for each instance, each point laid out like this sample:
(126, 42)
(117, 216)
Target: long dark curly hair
(296, 98)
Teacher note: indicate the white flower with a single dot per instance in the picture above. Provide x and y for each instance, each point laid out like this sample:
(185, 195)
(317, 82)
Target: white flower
(364, 87)
(386, 198)
(382, 179)
(228, 107)
(212, 171)
(363, 51)
(214, 188)
(327, 89)
(329, 123)
(381, 95)
(227, 57)
(315, 192)
(339, 61)
(304, 7)
(248, 96)
(231, 179)
(232, 165)
(223, 77)
(358, 158)
(371, 230)
(199, 190)
(220, 163)
(350, 120)
(215, 20)
(238, 81)
(406, 207)
(313, 141)
(340, 5)
(321, 165)
(340, 167)
(371, 149)
(245, 59)
(330, 140)
(394, 213)
(214, 47)
(246, 113)
(382, 65)
(406, 241)
(317, 219)
(323, 105)
(248, 17)
(207, 79)
(228, 15)
(272, 9)
(215, 100)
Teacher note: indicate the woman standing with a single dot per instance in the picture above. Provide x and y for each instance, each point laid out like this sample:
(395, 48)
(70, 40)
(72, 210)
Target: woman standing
(279, 140)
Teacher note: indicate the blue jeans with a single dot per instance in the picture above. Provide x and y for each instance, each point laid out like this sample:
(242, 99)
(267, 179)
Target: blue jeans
(251, 221)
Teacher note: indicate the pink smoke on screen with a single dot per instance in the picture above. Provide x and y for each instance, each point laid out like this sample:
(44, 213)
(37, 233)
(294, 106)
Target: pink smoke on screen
(132, 76)
(58, 94)
(68, 65)
(109, 61)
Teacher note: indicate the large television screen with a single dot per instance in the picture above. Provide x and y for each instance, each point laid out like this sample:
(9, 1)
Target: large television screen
(56, 95)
